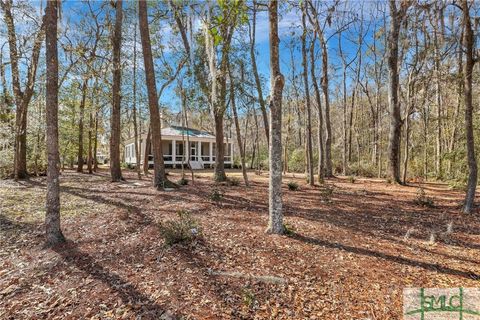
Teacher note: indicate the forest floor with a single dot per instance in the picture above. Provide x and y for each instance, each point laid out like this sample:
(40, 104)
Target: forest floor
(348, 255)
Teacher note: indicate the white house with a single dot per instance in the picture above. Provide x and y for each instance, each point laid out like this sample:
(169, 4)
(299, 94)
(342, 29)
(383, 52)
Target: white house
(201, 149)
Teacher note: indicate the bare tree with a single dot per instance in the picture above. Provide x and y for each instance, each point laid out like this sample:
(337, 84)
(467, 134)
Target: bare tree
(324, 84)
(321, 151)
(307, 97)
(53, 232)
(22, 97)
(275, 223)
(258, 83)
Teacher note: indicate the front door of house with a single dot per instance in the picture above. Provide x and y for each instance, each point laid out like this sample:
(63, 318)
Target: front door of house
(193, 151)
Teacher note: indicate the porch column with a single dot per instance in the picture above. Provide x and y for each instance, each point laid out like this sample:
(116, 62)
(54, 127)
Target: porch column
(174, 152)
(210, 152)
(199, 151)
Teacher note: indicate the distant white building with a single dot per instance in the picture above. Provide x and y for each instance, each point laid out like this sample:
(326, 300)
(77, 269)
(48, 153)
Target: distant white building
(201, 149)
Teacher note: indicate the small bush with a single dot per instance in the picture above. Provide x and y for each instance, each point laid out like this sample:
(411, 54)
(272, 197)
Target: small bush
(351, 179)
(292, 186)
(362, 169)
(233, 182)
(184, 229)
(388, 180)
(216, 195)
(249, 299)
(182, 182)
(326, 193)
(423, 200)
(288, 229)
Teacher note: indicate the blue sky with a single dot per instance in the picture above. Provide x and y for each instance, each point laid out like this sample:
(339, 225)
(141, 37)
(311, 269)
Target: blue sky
(289, 21)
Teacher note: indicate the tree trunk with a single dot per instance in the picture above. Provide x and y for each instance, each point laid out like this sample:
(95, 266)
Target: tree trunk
(394, 105)
(275, 224)
(160, 178)
(468, 44)
(80, 160)
(438, 96)
(328, 138)
(95, 144)
(134, 115)
(237, 126)
(53, 232)
(90, 147)
(115, 167)
(311, 180)
(148, 150)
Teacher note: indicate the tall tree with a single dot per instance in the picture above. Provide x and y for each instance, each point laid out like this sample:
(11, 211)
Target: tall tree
(275, 222)
(307, 97)
(53, 232)
(134, 111)
(218, 46)
(80, 159)
(325, 83)
(22, 97)
(115, 134)
(160, 178)
(396, 17)
(469, 44)
(318, 99)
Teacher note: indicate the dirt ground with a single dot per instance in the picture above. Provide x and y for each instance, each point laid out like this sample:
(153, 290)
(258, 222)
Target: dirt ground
(348, 255)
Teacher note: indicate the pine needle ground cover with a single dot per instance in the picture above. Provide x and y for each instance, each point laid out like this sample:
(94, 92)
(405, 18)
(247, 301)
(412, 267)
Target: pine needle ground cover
(346, 258)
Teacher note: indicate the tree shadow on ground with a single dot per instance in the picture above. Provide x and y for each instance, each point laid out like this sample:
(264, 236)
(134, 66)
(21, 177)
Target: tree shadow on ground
(385, 256)
(147, 308)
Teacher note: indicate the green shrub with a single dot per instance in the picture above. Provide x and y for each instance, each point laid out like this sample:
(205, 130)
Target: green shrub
(296, 160)
(184, 229)
(182, 182)
(292, 186)
(423, 200)
(362, 169)
(351, 179)
(216, 195)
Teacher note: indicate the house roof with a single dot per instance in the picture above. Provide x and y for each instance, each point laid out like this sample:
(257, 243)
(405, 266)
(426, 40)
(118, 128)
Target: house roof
(179, 131)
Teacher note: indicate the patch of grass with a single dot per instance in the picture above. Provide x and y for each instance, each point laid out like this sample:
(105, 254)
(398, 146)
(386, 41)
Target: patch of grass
(233, 182)
(182, 182)
(216, 195)
(292, 186)
(423, 200)
(388, 180)
(248, 298)
(351, 179)
(184, 229)
(458, 186)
